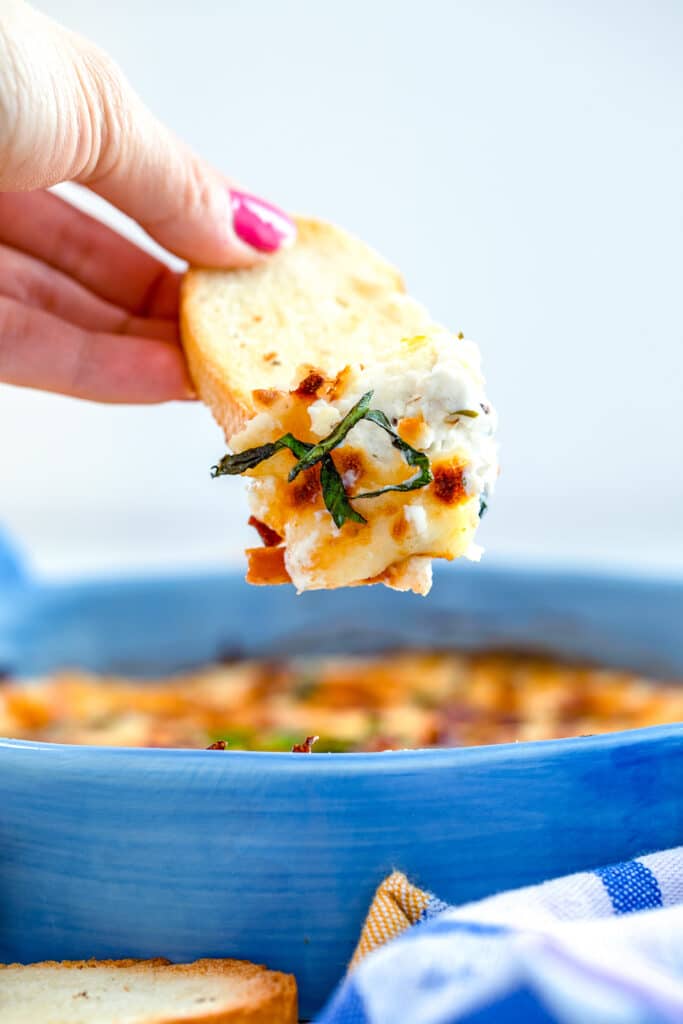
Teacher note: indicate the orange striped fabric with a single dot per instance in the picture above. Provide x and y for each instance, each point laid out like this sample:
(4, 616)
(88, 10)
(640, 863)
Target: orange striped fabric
(397, 905)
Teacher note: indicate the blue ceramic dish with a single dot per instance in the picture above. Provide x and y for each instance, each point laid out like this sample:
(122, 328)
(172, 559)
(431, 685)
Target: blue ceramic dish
(274, 857)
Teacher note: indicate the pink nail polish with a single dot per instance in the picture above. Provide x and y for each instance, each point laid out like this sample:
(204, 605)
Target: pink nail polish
(259, 224)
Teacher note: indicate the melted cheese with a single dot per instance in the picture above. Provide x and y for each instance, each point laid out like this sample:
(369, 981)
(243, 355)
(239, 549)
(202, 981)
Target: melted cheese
(423, 391)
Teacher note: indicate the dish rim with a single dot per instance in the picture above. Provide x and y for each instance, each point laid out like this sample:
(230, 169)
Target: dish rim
(483, 753)
(556, 573)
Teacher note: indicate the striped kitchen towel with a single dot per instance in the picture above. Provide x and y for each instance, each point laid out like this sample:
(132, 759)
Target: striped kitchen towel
(569, 951)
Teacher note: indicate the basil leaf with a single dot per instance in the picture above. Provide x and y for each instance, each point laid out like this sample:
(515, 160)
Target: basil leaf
(483, 505)
(411, 455)
(317, 451)
(334, 495)
(234, 465)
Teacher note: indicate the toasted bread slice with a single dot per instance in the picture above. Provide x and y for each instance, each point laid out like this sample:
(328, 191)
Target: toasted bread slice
(325, 302)
(290, 346)
(145, 992)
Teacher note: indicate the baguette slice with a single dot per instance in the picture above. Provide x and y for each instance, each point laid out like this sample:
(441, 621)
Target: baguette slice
(145, 992)
(290, 345)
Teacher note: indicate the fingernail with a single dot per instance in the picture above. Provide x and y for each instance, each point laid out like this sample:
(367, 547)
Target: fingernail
(260, 224)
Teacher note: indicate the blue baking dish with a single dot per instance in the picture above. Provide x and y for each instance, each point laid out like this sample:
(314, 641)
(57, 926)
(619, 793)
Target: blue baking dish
(275, 857)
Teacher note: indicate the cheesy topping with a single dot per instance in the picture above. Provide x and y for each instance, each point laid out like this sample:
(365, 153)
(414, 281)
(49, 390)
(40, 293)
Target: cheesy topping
(324, 417)
(432, 393)
(389, 701)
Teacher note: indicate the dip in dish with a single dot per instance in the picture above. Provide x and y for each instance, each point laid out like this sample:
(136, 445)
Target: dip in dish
(387, 702)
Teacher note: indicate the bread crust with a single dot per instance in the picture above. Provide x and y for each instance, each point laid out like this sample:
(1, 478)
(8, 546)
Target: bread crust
(272, 994)
(230, 409)
(365, 279)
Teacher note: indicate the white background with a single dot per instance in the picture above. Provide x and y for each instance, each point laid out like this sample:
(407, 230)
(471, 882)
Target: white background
(521, 162)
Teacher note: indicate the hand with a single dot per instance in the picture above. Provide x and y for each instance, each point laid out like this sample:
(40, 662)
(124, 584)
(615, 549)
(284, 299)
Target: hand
(83, 311)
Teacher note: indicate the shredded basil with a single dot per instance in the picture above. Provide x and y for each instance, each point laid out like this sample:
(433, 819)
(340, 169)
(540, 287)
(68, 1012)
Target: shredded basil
(411, 455)
(234, 465)
(308, 455)
(322, 448)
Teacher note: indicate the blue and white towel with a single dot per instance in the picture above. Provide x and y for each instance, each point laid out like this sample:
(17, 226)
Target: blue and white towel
(597, 947)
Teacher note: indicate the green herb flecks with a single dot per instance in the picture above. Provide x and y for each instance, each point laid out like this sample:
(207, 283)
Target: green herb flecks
(237, 739)
(334, 745)
(279, 740)
(453, 417)
(332, 486)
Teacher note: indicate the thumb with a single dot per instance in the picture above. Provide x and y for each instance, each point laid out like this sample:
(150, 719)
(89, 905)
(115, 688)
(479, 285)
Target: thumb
(182, 202)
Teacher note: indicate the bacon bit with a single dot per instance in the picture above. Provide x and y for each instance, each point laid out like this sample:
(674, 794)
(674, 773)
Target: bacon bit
(306, 747)
(270, 538)
(218, 745)
(310, 385)
(266, 396)
(266, 565)
(270, 357)
(307, 492)
(449, 484)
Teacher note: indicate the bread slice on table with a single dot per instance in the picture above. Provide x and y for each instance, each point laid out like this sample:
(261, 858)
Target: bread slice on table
(145, 992)
(290, 347)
